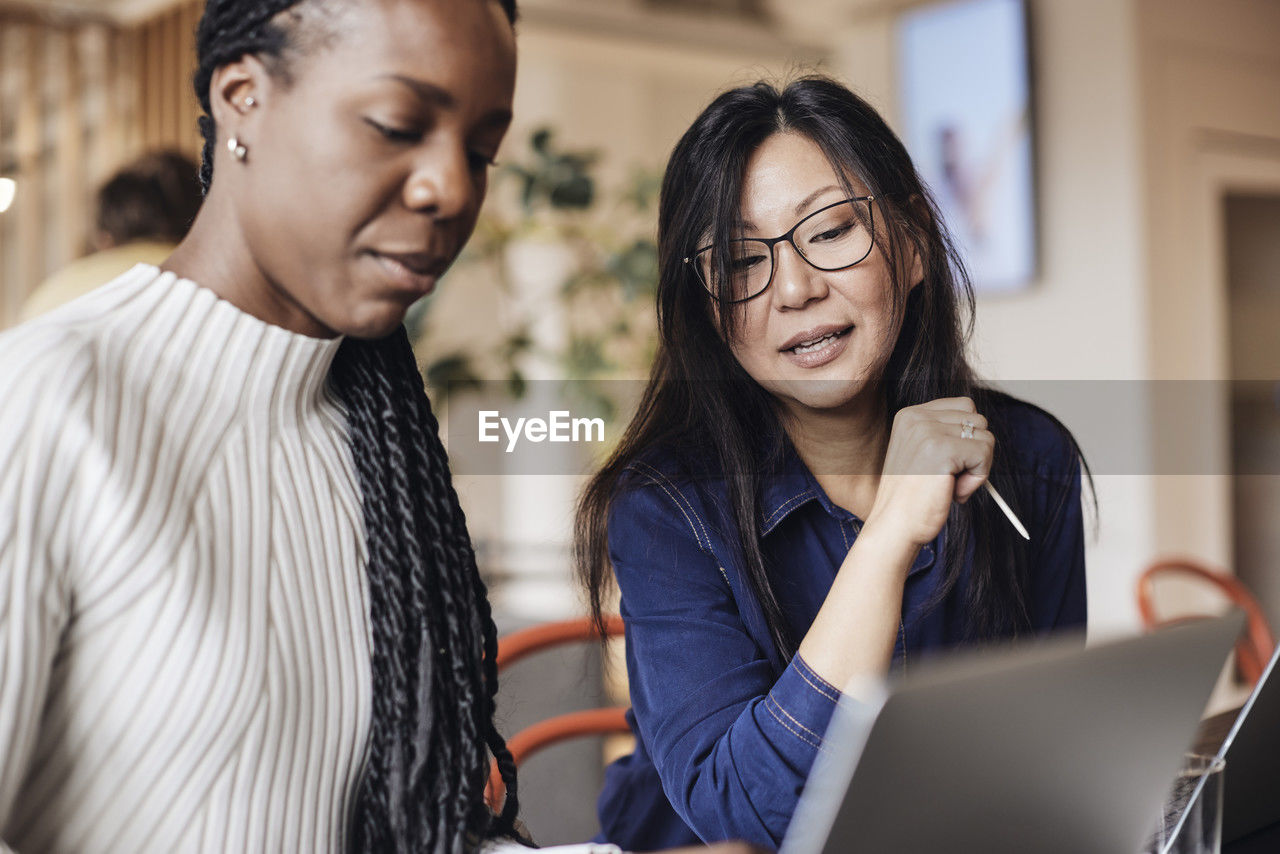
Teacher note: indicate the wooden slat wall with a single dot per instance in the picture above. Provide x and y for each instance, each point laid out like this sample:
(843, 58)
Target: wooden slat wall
(28, 208)
(165, 46)
(78, 99)
(70, 152)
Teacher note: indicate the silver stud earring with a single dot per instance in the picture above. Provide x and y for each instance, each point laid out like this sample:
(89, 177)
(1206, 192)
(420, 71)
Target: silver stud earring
(237, 149)
(250, 101)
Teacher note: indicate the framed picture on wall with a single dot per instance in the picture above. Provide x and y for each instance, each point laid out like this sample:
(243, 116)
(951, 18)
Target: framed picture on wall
(965, 95)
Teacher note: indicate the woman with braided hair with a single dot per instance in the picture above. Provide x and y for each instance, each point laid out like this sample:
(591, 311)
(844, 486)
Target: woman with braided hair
(239, 609)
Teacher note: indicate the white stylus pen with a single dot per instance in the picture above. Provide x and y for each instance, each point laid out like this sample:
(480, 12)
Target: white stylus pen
(1007, 512)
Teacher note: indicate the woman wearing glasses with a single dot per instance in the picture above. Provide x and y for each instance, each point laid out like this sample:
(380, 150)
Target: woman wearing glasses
(797, 501)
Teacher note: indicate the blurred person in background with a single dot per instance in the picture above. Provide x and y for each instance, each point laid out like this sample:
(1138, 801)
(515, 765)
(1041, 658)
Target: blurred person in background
(798, 502)
(143, 211)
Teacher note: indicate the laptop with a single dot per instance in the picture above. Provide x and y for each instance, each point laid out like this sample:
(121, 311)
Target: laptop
(1050, 748)
(1251, 790)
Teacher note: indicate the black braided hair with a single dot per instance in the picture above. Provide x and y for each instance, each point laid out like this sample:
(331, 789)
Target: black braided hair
(434, 641)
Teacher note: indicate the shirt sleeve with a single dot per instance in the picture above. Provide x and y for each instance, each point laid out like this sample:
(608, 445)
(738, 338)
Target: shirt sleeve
(1058, 589)
(35, 600)
(731, 740)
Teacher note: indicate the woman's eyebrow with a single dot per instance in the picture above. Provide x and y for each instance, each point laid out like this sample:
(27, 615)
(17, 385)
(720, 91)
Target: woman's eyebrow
(444, 99)
(745, 225)
(808, 200)
(428, 92)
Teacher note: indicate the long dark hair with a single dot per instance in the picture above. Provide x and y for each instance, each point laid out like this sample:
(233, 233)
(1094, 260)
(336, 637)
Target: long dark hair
(701, 405)
(434, 642)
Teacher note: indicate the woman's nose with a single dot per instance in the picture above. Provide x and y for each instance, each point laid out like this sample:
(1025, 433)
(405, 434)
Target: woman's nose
(441, 183)
(795, 282)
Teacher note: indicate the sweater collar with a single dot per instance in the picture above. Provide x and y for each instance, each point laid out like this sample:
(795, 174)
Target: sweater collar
(258, 364)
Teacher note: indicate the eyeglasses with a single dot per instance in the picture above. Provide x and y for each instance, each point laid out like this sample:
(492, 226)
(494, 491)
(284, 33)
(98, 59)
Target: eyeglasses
(832, 238)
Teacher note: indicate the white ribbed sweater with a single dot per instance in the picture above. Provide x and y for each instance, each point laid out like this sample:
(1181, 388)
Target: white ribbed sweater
(184, 639)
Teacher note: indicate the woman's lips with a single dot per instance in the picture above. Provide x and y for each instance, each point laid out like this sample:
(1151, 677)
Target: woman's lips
(818, 350)
(417, 274)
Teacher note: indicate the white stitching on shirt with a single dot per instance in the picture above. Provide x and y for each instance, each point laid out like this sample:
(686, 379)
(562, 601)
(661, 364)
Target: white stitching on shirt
(777, 514)
(769, 703)
(834, 694)
(682, 503)
(795, 720)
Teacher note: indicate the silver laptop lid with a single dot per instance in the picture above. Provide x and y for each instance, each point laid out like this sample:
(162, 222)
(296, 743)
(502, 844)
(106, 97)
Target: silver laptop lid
(1047, 748)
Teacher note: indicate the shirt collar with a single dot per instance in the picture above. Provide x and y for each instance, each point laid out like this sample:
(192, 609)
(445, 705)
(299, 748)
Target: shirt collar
(794, 486)
(789, 489)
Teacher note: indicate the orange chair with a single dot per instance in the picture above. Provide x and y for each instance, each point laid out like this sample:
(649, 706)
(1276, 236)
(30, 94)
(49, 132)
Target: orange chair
(1255, 647)
(516, 646)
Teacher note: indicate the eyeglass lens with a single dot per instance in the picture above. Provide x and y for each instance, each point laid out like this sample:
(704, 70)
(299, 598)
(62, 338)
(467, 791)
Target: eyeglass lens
(831, 239)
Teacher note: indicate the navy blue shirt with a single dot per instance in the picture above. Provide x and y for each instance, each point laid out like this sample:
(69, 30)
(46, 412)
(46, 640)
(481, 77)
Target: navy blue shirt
(726, 730)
